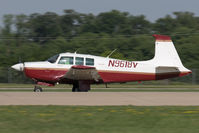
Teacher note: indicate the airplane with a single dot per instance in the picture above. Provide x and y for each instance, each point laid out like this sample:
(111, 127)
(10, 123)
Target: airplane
(82, 70)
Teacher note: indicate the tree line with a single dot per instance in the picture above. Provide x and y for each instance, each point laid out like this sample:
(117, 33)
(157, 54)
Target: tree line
(38, 36)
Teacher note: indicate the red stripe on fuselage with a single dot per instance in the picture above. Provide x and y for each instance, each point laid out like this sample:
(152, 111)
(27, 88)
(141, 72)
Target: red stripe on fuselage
(111, 76)
(54, 75)
(45, 74)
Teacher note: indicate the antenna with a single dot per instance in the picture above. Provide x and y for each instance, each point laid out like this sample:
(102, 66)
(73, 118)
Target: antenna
(111, 53)
(76, 51)
(19, 59)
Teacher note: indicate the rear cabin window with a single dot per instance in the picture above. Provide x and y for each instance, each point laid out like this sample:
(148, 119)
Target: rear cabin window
(89, 61)
(79, 61)
(66, 60)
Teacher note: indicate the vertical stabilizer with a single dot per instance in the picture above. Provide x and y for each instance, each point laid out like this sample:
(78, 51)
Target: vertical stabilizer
(165, 52)
(166, 58)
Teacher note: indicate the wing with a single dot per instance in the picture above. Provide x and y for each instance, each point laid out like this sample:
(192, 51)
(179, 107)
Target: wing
(82, 73)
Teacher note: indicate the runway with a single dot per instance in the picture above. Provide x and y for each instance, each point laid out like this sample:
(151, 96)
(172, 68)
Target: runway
(101, 98)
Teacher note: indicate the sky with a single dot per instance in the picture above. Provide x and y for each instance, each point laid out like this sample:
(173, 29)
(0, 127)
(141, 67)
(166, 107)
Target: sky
(152, 9)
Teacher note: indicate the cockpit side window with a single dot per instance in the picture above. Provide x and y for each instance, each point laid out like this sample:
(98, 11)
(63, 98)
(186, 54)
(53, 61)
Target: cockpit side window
(66, 60)
(89, 61)
(53, 59)
(79, 61)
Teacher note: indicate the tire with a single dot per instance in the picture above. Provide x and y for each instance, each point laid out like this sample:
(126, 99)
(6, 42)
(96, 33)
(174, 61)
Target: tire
(38, 89)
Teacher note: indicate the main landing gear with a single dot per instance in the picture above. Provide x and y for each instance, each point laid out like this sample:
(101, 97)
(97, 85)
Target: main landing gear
(38, 89)
(81, 86)
(78, 86)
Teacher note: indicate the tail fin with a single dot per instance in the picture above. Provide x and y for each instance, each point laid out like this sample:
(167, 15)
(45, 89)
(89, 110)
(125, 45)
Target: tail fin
(166, 58)
(165, 52)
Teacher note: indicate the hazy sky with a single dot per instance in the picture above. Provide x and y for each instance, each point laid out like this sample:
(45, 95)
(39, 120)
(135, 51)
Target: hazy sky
(152, 9)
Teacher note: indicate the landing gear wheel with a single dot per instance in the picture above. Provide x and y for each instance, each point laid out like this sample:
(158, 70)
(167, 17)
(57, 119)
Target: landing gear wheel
(38, 89)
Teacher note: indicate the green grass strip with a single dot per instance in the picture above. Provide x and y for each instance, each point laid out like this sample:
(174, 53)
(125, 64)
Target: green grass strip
(98, 119)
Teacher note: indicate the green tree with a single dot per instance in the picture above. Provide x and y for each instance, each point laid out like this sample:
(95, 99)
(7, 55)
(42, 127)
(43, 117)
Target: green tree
(70, 22)
(8, 22)
(44, 27)
(111, 22)
(165, 25)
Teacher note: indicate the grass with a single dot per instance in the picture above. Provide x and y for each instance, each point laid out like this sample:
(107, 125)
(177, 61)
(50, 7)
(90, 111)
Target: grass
(98, 119)
(113, 85)
(101, 88)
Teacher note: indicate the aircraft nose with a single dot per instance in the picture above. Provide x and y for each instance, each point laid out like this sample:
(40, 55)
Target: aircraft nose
(18, 67)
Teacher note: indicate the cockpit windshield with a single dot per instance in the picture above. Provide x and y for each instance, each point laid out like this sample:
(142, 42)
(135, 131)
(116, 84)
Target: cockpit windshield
(53, 59)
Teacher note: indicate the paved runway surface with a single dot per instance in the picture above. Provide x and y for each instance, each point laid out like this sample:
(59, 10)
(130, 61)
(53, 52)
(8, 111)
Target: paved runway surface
(100, 98)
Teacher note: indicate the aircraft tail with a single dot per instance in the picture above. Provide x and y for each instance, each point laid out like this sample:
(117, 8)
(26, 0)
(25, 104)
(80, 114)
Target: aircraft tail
(166, 54)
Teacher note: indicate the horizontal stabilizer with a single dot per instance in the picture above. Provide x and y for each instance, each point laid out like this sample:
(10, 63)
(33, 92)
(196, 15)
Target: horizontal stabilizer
(165, 69)
(166, 72)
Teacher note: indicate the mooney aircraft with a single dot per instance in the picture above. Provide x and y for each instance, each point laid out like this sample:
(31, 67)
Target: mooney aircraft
(81, 70)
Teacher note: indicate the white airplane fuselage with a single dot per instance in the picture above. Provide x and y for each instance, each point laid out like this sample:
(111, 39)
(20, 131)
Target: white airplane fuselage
(165, 64)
